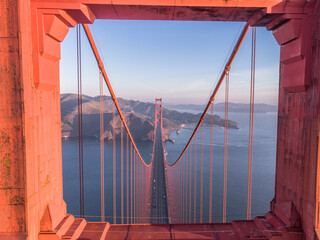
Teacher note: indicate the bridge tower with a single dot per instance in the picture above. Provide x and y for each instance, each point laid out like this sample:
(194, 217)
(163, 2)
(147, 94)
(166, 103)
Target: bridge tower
(158, 113)
(159, 212)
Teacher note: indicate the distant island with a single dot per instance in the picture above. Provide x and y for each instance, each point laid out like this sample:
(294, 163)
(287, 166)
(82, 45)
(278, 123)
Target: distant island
(138, 115)
(233, 107)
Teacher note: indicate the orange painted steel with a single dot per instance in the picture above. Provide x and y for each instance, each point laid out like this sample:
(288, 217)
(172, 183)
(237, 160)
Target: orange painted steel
(190, 148)
(186, 189)
(190, 3)
(180, 205)
(250, 156)
(195, 181)
(211, 165)
(148, 177)
(113, 96)
(101, 149)
(131, 183)
(317, 203)
(139, 191)
(213, 95)
(134, 187)
(179, 198)
(225, 162)
(201, 176)
(291, 115)
(122, 206)
(114, 165)
(149, 186)
(127, 178)
(80, 132)
(137, 195)
(182, 189)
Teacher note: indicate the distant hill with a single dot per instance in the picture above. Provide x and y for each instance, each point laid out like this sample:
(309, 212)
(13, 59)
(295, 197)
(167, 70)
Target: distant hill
(139, 117)
(233, 107)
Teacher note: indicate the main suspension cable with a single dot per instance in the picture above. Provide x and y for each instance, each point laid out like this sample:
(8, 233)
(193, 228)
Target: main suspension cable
(112, 94)
(213, 95)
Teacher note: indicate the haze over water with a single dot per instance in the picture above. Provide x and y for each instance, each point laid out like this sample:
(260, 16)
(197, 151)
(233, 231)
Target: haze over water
(264, 155)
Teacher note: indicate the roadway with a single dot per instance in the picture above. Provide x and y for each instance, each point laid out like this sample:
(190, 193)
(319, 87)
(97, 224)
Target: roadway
(159, 204)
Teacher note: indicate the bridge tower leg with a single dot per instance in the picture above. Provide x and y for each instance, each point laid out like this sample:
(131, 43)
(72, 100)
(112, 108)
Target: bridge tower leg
(30, 132)
(296, 200)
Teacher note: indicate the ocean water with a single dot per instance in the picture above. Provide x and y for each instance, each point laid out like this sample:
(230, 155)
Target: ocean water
(264, 159)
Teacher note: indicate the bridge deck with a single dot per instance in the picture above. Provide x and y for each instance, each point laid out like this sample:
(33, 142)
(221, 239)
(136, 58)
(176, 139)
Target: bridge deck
(159, 206)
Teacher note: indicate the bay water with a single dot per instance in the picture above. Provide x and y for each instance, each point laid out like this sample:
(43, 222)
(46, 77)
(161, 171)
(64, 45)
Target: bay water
(264, 160)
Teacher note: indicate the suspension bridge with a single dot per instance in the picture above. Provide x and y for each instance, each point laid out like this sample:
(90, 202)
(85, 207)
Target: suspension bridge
(159, 207)
(154, 199)
(163, 194)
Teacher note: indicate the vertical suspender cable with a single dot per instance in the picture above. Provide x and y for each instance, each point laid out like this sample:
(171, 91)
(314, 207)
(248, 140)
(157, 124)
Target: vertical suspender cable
(186, 189)
(225, 166)
(190, 166)
(127, 178)
(253, 58)
(131, 183)
(179, 204)
(179, 210)
(211, 165)
(134, 187)
(140, 193)
(195, 181)
(147, 195)
(184, 186)
(81, 127)
(176, 193)
(137, 193)
(142, 202)
(150, 179)
(79, 76)
(201, 175)
(121, 160)
(114, 165)
(182, 189)
(102, 149)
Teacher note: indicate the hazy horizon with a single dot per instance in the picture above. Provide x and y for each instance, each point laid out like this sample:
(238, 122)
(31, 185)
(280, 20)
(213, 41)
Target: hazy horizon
(169, 103)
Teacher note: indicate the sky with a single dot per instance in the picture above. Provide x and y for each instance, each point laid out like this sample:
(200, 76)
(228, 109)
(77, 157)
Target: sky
(178, 61)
